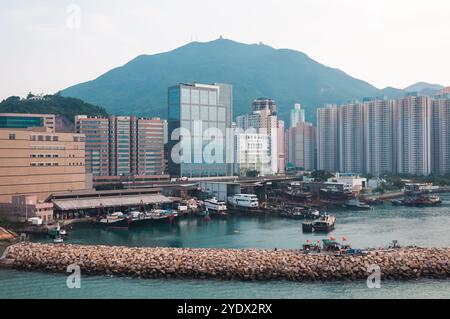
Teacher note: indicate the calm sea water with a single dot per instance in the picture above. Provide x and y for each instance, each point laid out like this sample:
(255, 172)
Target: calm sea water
(410, 226)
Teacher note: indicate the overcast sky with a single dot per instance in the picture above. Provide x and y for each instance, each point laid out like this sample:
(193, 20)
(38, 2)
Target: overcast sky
(47, 45)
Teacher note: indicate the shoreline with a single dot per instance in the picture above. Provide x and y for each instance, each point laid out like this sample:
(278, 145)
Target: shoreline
(229, 264)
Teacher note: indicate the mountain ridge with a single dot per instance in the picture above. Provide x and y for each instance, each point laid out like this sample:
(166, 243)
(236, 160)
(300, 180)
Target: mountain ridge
(288, 76)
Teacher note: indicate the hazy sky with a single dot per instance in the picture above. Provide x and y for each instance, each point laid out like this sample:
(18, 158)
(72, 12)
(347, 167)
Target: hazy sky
(47, 45)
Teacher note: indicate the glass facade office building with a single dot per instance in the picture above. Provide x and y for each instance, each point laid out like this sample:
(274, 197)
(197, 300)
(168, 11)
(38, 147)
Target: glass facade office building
(195, 108)
(26, 120)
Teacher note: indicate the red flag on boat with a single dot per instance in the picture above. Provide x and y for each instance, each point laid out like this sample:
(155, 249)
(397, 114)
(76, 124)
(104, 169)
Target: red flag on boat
(332, 238)
(308, 241)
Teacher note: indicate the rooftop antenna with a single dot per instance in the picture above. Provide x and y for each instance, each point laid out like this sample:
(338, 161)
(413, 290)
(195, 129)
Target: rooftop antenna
(221, 37)
(261, 43)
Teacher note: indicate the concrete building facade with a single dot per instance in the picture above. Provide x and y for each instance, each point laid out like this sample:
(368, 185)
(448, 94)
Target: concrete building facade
(123, 146)
(39, 162)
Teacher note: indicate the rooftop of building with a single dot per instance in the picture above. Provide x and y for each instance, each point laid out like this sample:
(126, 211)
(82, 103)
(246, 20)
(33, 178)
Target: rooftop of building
(27, 115)
(87, 117)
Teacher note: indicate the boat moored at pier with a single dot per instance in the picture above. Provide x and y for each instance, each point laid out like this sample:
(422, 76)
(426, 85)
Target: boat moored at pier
(215, 207)
(244, 200)
(355, 204)
(418, 201)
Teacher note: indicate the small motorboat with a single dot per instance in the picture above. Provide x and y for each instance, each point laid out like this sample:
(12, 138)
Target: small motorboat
(58, 240)
(57, 232)
(357, 205)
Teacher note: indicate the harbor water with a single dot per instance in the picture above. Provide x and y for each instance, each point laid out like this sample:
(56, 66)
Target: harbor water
(427, 227)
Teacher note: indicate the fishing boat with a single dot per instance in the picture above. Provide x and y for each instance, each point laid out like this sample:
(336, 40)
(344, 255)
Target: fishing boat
(373, 201)
(355, 204)
(331, 191)
(115, 220)
(159, 215)
(293, 213)
(419, 201)
(324, 224)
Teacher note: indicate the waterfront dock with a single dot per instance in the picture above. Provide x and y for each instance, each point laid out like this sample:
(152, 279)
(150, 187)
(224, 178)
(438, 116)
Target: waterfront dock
(229, 264)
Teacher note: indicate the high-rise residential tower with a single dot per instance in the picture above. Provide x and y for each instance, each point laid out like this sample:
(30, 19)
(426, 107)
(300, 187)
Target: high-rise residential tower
(302, 146)
(262, 103)
(440, 135)
(351, 138)
(281, 152)
(413, 135)
(297, 115)
(264, 119)
(328, 138)
(379, 136)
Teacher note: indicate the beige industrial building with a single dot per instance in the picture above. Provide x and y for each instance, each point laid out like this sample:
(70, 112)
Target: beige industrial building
(38, 162)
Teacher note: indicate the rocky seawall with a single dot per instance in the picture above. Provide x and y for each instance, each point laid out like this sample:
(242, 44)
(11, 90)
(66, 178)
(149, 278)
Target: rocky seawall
(229, 264)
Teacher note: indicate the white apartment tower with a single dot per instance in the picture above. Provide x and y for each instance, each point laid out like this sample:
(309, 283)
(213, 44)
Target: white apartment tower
(297, 115)
(378, 136)
(351, 138)
(413, 135)
(440, 136)
(302, 146)
(264, 119)
(328, 138)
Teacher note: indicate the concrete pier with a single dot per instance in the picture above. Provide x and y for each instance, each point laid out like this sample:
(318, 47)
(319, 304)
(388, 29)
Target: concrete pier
(228, 264)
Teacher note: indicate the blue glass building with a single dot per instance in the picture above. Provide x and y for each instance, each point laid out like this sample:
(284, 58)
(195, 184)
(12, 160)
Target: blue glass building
(195, 108)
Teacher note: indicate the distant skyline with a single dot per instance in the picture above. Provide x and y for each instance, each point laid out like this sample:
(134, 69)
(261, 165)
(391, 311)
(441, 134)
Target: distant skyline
(48, 45)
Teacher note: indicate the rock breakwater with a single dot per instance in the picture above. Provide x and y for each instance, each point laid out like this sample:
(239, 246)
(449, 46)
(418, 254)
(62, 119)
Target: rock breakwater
(229, 264)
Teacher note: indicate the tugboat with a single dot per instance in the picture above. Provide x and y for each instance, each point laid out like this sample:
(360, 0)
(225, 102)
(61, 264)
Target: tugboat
(324, 224)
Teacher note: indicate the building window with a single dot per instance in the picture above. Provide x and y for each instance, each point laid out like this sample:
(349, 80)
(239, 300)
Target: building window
(12, 136)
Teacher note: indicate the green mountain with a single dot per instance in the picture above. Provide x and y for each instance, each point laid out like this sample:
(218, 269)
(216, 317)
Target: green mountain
(424, 88)
(288, 76)
(65, 107)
